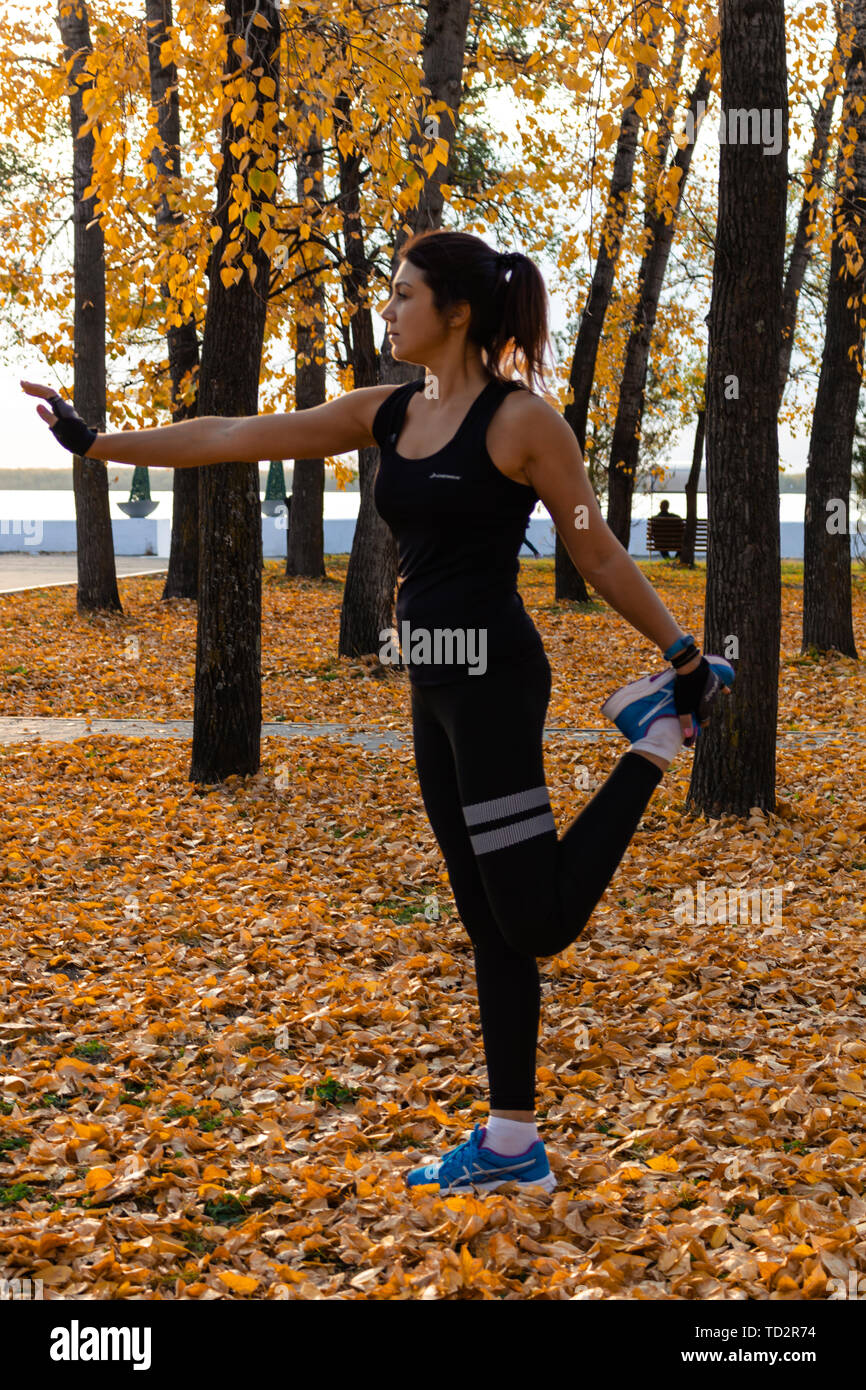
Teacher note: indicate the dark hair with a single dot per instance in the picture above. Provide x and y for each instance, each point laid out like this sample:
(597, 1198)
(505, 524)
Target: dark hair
(506, 294)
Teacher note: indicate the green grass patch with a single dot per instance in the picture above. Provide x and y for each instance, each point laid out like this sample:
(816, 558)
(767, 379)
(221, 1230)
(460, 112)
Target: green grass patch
(330, 1092)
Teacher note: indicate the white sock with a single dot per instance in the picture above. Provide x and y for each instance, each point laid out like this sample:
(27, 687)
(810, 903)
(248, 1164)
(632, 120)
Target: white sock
(509, 1136)
(665, 738)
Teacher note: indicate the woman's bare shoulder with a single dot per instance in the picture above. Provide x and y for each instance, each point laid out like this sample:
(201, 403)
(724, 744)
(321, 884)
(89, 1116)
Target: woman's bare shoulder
(529, 403)
(522, 414)
(367, 400)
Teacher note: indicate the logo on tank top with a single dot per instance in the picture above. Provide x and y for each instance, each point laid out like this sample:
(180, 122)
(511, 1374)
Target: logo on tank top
(456, 476)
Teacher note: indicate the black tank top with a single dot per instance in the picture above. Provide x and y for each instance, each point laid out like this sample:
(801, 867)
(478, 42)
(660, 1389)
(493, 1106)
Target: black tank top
(459, 523)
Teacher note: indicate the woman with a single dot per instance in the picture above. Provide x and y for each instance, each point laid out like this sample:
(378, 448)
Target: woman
(462, 466)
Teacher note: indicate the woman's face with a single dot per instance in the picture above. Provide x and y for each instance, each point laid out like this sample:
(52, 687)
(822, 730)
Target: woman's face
(416, 331)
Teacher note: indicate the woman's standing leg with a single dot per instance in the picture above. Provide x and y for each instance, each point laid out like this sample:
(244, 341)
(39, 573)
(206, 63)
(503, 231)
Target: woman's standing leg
(509, 987)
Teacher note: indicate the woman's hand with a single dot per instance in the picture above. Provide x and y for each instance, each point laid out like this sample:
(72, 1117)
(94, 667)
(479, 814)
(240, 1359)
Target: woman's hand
(62, 419)
(686, 722)
(696, 688)
(46, 392)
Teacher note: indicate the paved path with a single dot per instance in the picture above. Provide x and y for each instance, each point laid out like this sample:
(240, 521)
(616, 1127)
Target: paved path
(18, 570)
(19, 730)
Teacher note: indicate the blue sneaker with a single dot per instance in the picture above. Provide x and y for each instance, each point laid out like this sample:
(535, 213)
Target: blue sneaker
(635, 707)
(470, 1168)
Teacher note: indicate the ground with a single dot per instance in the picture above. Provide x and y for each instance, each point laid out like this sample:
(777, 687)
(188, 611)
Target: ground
(231, 1017)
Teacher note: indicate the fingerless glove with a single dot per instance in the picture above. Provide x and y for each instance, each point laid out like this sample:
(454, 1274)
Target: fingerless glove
(695, 693)
(69, 429)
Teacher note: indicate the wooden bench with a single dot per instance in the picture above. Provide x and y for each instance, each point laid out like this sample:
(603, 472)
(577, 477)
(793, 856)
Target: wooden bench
(666, 533)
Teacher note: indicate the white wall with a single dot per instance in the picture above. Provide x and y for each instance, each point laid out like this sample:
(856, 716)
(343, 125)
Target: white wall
(147, 536)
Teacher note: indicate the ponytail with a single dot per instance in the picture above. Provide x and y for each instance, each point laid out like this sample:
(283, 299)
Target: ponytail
(506, 294)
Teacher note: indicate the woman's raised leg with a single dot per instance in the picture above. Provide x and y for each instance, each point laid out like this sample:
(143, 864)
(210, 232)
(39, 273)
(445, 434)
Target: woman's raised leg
(541, 889)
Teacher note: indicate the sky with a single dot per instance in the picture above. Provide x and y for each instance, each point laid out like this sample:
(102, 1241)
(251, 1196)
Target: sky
(30, 440)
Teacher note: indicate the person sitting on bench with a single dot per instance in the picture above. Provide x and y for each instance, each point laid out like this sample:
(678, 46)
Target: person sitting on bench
(666, 537)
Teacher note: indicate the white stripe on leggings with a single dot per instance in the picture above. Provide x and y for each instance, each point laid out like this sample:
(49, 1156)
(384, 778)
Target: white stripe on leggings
(506, 805)
(513, 834)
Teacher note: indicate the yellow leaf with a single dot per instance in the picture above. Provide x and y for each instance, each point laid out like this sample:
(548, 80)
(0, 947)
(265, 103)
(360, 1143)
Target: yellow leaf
(53, 1274)
(663, 1163)
(241, 1283)
(630, 1173)
(719, 1091)
(740, 1068)
(213, 1170)
(72, 1062)
(85, 1131)
(437, 1113)
(97, 1178)
(816, 1281)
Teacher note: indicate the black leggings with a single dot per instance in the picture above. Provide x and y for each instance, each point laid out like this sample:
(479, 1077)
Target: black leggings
(521, 892)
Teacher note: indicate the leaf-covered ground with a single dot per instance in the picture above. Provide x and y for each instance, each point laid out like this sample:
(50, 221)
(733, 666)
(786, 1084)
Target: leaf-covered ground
(230, 1017)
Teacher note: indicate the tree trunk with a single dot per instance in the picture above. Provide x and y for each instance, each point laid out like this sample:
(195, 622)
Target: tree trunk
(371, 575)
(625, 445)
(305, 540)
(182, 578)
(734, 762)
(228, 691)
(97, 576)
(827, 618)
(687, 550)
(802, 250)
(568, 581)
(181, 581)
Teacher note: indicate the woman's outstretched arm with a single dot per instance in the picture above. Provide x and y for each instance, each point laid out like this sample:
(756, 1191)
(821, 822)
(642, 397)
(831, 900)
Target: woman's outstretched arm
(334, 428)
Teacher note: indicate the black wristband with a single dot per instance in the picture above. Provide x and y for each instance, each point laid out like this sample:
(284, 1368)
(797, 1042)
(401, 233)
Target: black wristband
(683, 658)
(69, 429)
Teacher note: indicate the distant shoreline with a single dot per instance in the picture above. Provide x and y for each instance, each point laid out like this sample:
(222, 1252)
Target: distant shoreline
(162, 480)
(119, 479)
